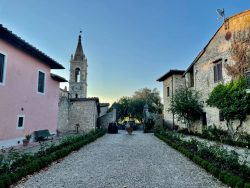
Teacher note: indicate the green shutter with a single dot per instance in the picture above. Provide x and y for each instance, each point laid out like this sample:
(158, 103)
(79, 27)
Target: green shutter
(20, 121)
(41, 81)
(1, 67)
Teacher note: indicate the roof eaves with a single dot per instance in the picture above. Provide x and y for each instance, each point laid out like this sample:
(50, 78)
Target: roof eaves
(170, 73)
(21, 44)
(58, 78)
(204, 49)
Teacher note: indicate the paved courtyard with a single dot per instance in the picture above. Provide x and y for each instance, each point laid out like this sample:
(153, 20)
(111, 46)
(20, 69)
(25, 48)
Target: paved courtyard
(122, 160)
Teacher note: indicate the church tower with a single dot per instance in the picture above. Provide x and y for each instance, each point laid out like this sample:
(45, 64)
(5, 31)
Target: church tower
(78, 73)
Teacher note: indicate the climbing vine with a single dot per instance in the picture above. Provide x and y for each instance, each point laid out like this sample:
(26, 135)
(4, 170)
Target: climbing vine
(240, 54)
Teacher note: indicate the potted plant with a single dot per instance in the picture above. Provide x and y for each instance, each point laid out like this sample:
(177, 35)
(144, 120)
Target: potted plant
(26, 140)
(129, 128)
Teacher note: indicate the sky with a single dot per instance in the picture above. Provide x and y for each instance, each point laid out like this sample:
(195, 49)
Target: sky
(129, 44)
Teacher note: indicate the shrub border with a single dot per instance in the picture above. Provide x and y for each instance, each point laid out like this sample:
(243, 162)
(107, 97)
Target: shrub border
(224, 176)
(224, 141)
(41, 162)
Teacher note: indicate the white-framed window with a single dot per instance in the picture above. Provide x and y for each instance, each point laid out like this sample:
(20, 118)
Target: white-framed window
(20, 122)
(41, 82)
(3, 64)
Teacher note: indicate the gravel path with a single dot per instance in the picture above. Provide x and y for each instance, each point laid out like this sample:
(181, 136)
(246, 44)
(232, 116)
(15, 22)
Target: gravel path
(122, 160)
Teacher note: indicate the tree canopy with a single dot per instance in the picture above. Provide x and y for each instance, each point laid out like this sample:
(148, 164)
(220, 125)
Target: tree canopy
(186, 106)
(133, 106)
(232, 101)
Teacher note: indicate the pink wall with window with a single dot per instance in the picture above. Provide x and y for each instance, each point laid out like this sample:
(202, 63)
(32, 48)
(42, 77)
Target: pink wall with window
(19, 96)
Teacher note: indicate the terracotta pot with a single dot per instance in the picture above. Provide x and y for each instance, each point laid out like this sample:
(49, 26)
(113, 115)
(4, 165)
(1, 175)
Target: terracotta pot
(25, 142)
(129, 130)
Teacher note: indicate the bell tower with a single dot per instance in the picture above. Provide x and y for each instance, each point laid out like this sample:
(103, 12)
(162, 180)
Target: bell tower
(78, 72)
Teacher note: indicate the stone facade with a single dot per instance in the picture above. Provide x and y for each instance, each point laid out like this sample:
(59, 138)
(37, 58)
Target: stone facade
(104, 107)
(103, 121)
(217, 50)
(78, 73)
(76, 112)
(172, 80)
(83, 113)
(63, 114)
(157, 118)
(200, 75)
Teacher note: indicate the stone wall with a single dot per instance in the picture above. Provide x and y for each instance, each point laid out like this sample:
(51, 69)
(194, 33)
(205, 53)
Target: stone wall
(84, 114)
(158, 120)
(178, 81)
(76, 112)
(103, 110)
(63, 115)
(103, 121)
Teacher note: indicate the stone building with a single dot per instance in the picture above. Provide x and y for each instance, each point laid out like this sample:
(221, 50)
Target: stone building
(208, 68)
(77, 113)
(172, 80)
(78, 73)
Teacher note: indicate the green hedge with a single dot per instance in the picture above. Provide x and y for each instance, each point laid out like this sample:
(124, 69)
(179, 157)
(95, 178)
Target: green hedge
(39, 161)
(224, 176)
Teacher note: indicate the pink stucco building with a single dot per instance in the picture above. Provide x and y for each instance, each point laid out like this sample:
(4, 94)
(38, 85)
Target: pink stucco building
(28, 91)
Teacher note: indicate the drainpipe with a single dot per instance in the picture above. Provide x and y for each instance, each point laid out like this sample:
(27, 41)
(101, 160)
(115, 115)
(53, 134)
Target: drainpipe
(173, 96)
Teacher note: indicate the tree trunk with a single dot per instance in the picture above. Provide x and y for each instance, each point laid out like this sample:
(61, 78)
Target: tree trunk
(237, 129)
(230, 129)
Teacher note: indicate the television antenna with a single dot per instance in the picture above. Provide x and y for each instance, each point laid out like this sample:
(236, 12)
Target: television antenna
(221, 13)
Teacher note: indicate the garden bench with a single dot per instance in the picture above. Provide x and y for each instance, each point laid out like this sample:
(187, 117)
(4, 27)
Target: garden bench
(41, 135)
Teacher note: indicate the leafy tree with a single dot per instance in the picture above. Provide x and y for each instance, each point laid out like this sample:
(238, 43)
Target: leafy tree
(151, 97)
(233, 102)
(121, 107)
(186, 106)
(133, 106)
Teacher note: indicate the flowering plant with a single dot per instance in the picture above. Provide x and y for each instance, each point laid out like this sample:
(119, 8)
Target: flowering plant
(28, 136)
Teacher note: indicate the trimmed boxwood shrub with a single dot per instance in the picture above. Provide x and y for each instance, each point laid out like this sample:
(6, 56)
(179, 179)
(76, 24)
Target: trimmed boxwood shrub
(224, 176)
(44, 158)
(6, 180)
(247, 185)
(2, 184)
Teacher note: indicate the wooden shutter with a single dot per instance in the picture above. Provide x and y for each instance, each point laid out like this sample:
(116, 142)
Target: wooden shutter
(215, 74)
(219, 68)
(248, 79)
